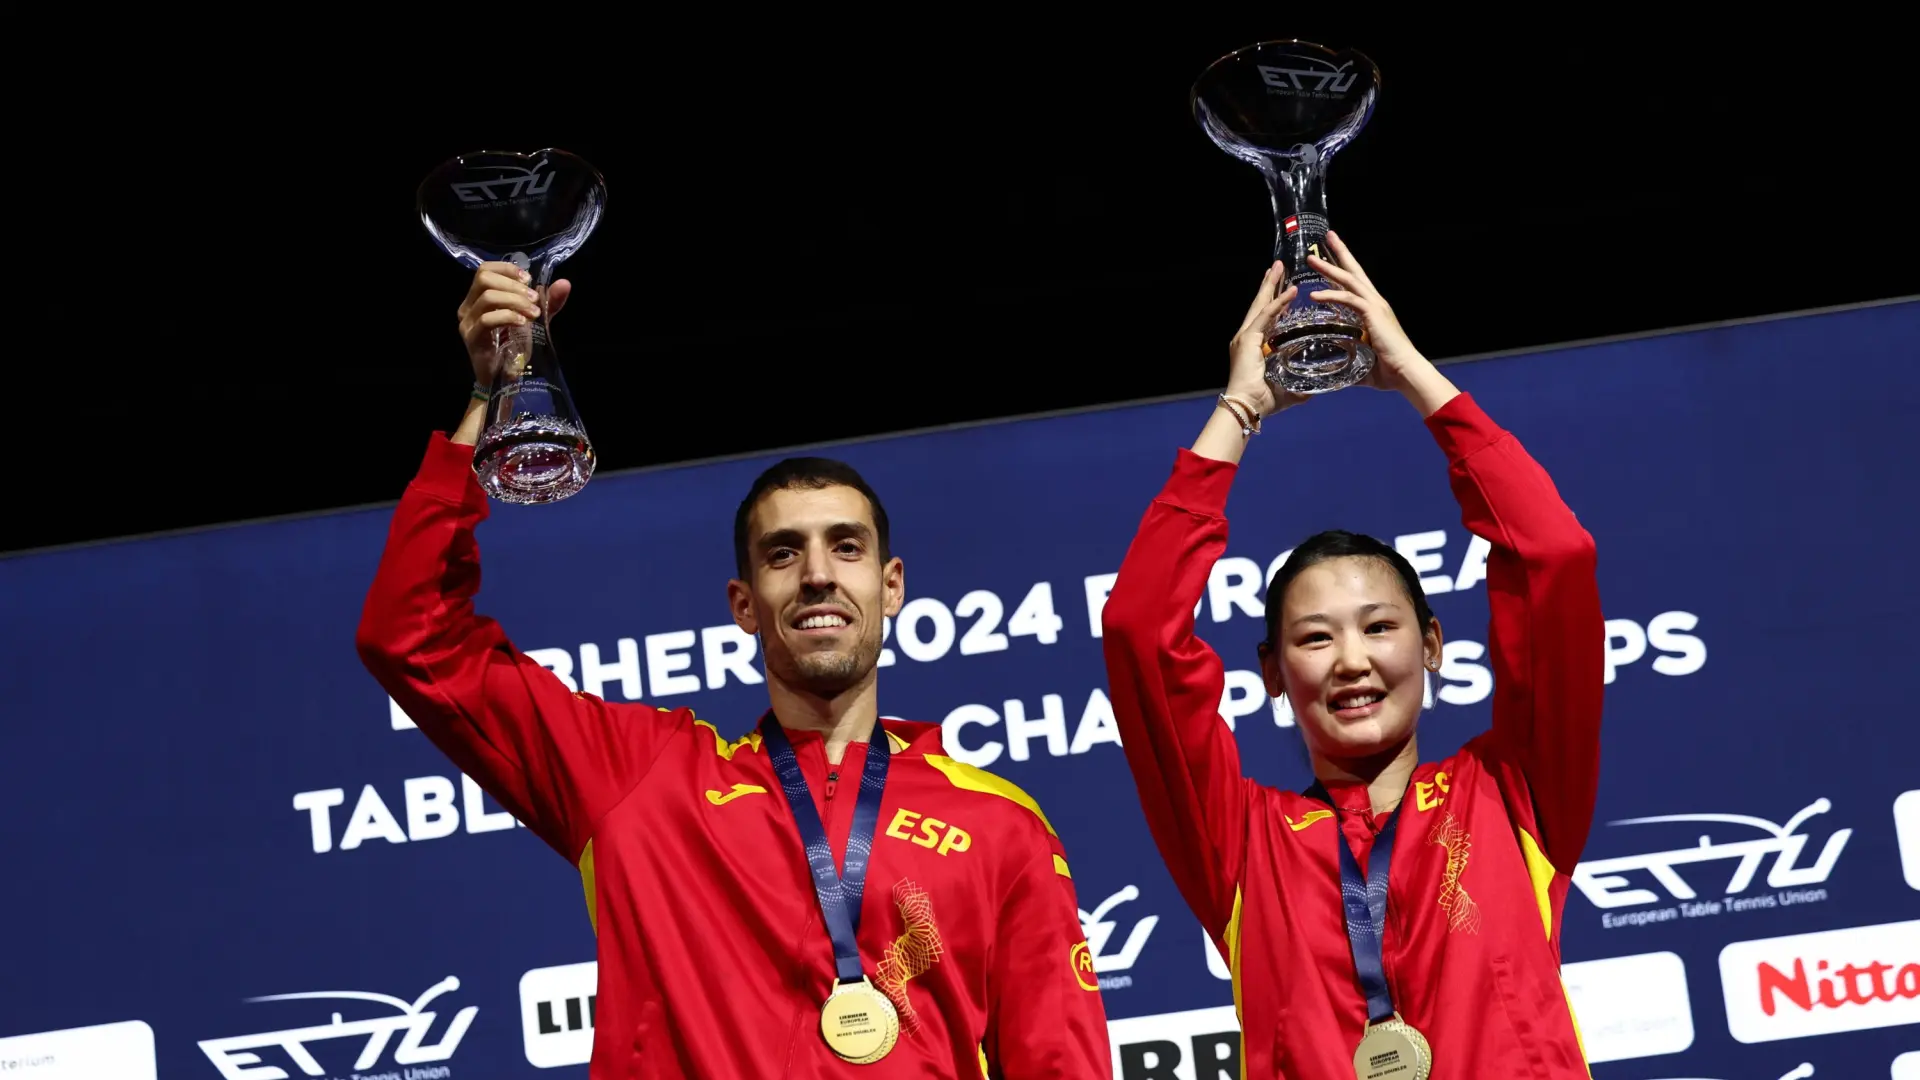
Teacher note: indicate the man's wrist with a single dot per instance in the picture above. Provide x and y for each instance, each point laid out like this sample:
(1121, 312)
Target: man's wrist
(473, 422)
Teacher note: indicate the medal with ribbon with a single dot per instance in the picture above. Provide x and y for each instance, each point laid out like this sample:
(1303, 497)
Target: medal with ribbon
(858, 1022)
(1391, 1048)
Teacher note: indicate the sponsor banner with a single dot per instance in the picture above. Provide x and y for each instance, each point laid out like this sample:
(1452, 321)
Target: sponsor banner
(1195, 1044)
(122, 1051)
(556, 1014)
(1822, 983)
(1631, 1006)
(1628, 1007)
(557, 1008)
(1906, 825)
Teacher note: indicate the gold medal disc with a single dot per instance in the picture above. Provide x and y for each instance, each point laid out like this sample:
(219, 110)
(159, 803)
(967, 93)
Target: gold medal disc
(1392, 1050)
(859, 1022)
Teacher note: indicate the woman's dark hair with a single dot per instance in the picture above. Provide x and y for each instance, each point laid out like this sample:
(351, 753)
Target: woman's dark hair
(1340, 544)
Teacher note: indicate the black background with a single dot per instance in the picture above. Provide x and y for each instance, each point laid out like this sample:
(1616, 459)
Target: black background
(814, 236)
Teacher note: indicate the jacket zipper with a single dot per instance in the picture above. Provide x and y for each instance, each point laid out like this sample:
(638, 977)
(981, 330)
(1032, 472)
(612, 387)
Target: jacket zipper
(833, 777)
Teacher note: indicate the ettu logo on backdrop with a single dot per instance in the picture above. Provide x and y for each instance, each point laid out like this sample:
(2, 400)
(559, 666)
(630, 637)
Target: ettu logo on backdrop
(1099, 932)
(236, 1058)
(1605, 885)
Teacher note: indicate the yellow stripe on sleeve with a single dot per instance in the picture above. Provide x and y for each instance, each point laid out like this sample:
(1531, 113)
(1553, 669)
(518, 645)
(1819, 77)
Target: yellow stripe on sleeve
(1541, 872)
(968, 778)
(725, 749)
(586, 882)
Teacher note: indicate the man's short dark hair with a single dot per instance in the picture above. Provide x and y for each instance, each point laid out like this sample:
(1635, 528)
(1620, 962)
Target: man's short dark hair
(804, 474)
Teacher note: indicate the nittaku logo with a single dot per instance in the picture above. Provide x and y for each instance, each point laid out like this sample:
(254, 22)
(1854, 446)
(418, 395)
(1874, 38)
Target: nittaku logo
(1099, 932)
(1308, 75)
(513, 183)
(235, 1058)
(1822, 983)
(1605, 885)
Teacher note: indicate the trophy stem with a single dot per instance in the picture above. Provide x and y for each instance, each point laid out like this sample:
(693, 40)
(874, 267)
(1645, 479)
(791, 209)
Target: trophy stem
(1312, 347)
(534, 448)
(1299, 214)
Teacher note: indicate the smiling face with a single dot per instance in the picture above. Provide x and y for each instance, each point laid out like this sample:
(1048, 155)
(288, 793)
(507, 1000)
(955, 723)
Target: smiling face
(1349, 652)
(817, 589)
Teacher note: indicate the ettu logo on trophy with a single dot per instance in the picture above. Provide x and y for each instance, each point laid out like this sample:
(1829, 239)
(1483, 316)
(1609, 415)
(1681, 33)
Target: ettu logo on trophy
(534, 211)
(1286, 107)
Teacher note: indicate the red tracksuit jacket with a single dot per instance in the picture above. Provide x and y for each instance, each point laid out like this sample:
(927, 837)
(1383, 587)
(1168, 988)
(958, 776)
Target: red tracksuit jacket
(713, 959)
(1487, 838)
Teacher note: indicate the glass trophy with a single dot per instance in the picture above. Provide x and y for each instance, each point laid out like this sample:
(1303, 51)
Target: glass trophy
(1286, 107)
(534, 211)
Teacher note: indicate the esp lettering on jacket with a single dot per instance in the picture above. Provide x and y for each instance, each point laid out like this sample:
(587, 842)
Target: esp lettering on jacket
(933, 833)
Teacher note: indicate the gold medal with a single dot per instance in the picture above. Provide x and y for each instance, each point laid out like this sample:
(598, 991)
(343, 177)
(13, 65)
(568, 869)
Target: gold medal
(1392, 1050)
(860, 1023)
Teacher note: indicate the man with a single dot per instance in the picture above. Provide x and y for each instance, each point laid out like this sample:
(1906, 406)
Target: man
(715, 872)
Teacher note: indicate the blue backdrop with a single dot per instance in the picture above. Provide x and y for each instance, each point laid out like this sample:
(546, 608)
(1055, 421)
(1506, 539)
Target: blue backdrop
(205, 801)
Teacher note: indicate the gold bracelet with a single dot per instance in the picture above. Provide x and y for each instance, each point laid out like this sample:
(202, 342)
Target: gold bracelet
(1247, 405)
(1247, 415)
(1239, 416)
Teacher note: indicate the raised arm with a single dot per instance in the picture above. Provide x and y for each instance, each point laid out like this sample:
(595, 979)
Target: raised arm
(1166, 686)
(556, 760)
(1547, 636)
(1166, 683)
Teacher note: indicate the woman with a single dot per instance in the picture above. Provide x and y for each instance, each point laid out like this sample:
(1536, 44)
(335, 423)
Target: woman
(1471, 855)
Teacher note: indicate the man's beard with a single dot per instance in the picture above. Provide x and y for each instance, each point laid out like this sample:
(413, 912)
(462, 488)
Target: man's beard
(830, 674)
